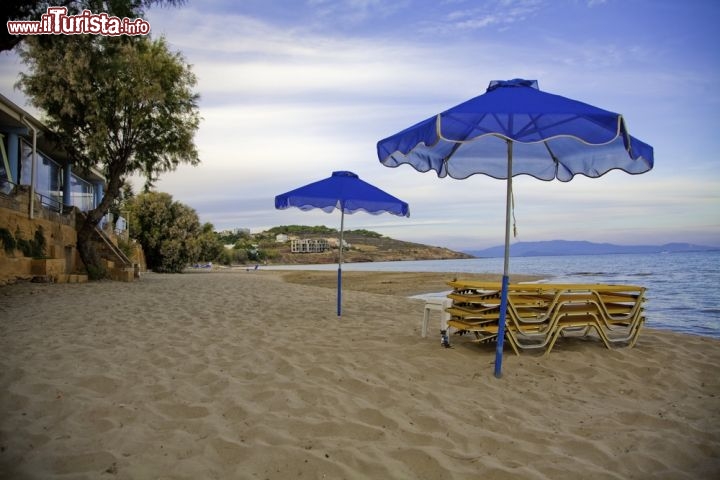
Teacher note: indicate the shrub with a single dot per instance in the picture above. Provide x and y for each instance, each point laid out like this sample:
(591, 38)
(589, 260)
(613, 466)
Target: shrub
(8, 241)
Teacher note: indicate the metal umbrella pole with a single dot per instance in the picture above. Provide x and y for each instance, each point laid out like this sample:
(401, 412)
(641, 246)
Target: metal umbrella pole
(506, 267)
(340, 261)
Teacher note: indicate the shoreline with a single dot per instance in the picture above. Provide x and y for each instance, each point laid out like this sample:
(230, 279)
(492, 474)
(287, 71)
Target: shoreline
(389, 282)
(235, 374)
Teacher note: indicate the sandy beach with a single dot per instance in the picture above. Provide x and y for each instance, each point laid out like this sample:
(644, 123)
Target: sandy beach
(243, 375)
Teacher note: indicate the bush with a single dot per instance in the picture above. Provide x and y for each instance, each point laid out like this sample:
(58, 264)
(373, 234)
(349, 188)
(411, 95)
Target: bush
(169, 232)
(233, 256)
(34, 248)
(8, 241)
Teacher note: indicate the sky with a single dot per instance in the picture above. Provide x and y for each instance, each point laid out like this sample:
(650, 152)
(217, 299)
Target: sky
(293, 90)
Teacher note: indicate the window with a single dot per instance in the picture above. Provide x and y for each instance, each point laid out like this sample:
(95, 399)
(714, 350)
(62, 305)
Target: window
(5, 186)
(49, 182)
(82, 193)
(47, 177)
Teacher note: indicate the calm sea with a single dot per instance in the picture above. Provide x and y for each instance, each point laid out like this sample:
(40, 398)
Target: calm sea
(683, 289)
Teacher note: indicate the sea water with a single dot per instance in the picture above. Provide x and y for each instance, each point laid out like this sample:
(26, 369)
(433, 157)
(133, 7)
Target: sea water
(683, 289)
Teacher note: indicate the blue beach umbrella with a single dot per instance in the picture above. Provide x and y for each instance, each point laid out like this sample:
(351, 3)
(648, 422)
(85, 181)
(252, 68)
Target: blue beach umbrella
(516, 129)
(346, 192)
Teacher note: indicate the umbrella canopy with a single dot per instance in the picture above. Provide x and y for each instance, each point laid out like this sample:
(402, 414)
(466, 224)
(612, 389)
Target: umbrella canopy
(346, 192)
(516, 129)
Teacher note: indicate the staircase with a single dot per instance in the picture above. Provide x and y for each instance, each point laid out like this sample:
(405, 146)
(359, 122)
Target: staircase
(118, 265)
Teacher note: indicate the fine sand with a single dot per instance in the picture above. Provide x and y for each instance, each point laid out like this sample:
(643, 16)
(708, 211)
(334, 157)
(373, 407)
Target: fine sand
(242, 375)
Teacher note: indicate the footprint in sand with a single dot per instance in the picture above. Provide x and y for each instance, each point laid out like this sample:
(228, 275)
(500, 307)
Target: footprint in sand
(230, 452)
(99, 383)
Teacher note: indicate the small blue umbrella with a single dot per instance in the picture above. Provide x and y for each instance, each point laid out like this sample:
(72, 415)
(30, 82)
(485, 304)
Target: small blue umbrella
(514, 129)
(346, 192)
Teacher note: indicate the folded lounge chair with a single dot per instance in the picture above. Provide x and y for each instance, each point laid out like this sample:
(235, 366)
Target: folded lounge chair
(538, 314)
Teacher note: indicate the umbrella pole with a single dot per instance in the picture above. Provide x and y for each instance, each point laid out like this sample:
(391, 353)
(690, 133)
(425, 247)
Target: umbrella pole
(506, 264)
(340, 261)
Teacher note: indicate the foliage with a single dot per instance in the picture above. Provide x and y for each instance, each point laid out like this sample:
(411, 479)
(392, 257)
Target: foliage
(119, 206)
(126, 247)
(318, 230)
(269, 254)
(95, 272)
(233, 256)
(168, 231)
(8, 240)
(211, 248)
(302, 230)
(228, 238)
(364, 233)
(39, 242)
(34, 248)
(124, 105)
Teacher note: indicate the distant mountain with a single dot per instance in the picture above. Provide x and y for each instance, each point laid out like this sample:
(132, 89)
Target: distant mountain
(566, 247)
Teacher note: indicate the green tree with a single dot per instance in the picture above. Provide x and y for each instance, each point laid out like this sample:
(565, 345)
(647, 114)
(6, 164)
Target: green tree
(124, 105)
(302, 230)
(211, 248)
(233, 256)
(168, 231)
(231, 237)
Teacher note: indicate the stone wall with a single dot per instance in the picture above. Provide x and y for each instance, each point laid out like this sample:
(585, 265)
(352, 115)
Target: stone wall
(60, 253)
(60, 261)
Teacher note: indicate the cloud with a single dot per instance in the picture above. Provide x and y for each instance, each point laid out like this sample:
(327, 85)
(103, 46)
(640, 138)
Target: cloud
(290, 94)
(498, 13)
(354, 11)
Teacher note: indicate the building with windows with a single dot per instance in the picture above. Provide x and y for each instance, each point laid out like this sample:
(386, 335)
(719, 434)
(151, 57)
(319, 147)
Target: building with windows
(41, 196)
(308, 245)
(31, 158)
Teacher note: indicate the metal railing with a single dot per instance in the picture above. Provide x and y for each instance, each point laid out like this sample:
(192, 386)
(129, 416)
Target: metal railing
(51, 202)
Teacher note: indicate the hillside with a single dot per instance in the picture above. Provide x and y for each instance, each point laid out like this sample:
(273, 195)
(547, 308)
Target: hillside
(364, 246)
(565, 247)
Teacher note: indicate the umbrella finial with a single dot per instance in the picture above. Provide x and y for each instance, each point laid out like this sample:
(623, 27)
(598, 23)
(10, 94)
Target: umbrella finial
(515, 82)
(344, 173)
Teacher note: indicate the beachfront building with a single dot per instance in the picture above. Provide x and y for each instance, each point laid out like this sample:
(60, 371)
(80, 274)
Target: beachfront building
(42, 200)
(308, 245)
(31, 159)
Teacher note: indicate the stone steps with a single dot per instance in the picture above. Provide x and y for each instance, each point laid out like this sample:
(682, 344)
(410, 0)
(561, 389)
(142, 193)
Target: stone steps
(60, 278)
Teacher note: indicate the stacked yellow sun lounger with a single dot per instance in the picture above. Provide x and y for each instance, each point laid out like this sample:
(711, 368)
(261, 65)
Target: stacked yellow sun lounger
(538, 314)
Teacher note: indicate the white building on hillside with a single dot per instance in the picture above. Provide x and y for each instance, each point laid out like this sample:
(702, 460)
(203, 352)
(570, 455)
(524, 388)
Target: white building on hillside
(309, 245)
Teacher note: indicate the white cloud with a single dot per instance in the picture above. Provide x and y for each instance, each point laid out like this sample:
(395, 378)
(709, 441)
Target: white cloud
(286, 103)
